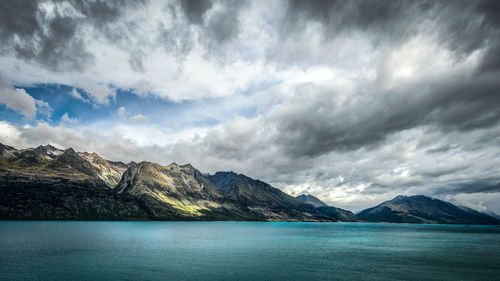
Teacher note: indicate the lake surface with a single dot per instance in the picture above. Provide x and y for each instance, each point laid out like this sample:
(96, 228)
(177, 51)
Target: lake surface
(49, 250)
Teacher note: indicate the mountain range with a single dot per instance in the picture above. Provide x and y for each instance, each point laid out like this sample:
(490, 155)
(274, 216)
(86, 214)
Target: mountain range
(51, 183)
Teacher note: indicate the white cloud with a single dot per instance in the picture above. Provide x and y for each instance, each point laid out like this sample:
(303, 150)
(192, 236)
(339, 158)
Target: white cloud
(68, 120)
(9, 134)
(101, 93)
(43, 108)
(139, 118)
(19, 100)
(74, 93)
(122, 112)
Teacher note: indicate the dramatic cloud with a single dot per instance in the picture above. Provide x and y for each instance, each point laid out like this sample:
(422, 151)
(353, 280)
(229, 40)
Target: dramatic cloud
(195, 10)
(353, 101)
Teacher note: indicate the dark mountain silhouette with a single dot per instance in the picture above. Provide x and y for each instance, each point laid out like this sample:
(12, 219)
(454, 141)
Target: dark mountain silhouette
(423, 209)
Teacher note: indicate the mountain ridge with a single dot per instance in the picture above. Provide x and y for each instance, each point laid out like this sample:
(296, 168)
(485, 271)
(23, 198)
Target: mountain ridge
(310, 199)
(51, 183)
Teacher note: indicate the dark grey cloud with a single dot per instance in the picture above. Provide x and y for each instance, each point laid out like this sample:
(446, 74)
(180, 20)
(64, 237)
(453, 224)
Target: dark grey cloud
(491, 59)
(100, 12)
(198, 22)
(436, 172)
(102, 16)
(380, 22)
(196, 9)
(58, 39)
(25, 29)
(321, 123)
(58, 48)
(338, 16)
(55, 41)
(469, 186)
(177, 39)
(465, 26)
(473, 25)
(18, 17)
(443, 148)
(224, 25)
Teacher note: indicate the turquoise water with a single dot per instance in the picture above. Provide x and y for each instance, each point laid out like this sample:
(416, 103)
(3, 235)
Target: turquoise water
(246, 251)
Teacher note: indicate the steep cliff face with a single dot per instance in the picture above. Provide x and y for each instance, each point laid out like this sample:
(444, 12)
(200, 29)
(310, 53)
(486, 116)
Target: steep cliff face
(423, 209)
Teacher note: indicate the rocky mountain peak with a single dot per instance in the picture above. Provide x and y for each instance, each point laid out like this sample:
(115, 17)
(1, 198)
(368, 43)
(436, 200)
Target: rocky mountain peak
(47, 147)
(70, 160)
(71, 152)
(188, 166)
(147, 164)
(48, 150)
(399, 197)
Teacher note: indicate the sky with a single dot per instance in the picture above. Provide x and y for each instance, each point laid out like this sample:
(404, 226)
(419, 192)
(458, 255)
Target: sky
(354, 102)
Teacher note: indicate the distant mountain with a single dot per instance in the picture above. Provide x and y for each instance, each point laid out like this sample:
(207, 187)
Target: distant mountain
(262, 199)
(423, 209)
(309, 199)
(330, 212)
(492, 214)
(337, 214)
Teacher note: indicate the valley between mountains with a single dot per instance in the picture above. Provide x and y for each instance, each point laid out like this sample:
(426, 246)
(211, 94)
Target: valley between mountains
(47, 183)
